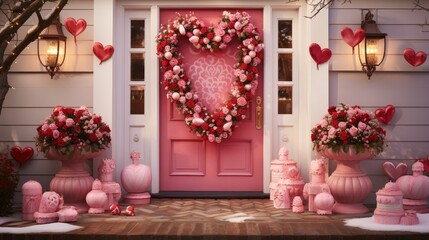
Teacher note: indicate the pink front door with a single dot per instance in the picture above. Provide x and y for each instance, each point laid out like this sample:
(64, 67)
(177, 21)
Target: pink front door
(187, 162)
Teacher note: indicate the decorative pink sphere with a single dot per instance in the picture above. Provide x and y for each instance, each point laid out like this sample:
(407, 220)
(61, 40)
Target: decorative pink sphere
(324, 203)
(136, 178)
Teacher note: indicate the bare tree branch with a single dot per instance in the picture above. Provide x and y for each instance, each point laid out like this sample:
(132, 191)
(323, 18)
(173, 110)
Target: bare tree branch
(318, 5)
(419, 6)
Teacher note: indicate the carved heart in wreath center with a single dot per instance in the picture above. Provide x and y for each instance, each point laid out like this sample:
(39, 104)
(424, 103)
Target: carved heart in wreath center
(218, 124)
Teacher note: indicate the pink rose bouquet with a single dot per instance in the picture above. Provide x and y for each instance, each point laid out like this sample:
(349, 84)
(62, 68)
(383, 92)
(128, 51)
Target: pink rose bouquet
(344, 126)
(68, 130)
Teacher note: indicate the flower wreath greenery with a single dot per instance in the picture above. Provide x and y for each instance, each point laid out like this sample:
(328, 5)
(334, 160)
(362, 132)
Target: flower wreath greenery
(219, 124)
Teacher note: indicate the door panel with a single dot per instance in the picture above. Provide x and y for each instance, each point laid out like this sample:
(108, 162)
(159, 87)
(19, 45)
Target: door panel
(187, 163)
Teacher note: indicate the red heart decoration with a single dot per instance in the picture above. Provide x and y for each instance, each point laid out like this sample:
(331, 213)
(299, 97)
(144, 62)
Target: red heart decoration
(425, 164)
(351, 38)
(319, 55)
(102, 53)
(21, 155)
(395, 172)
(75, 27)
(386, 114)
(415, 59)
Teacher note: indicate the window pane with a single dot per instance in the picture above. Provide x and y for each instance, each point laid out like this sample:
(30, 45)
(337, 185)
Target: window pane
(137, 100)
(137, 67)
(285, 100)
(285, 67)
(285, 34)
(137, 33)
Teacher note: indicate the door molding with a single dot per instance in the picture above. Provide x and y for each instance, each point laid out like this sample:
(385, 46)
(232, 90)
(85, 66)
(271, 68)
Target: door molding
(313, 83)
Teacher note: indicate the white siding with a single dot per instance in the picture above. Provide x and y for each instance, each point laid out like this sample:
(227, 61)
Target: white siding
(35, 94)
(395, 81)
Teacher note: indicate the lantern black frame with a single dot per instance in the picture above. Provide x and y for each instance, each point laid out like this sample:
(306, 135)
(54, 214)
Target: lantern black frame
(53, 32)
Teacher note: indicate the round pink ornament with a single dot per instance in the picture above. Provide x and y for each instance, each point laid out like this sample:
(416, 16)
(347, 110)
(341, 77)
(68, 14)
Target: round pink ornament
(136, 179)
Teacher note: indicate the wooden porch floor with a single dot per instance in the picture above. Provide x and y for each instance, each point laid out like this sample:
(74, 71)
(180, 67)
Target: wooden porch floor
(212, 219)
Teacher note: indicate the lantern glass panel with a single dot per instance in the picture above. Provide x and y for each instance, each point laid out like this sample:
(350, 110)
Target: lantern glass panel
(51, 52)
(371, 51)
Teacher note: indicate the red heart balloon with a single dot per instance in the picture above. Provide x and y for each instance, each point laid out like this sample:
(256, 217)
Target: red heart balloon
(21, 155)
(102, 53)
(385, 115)
(75, 27)
(351, 38)
(319, 55)
(415, 59)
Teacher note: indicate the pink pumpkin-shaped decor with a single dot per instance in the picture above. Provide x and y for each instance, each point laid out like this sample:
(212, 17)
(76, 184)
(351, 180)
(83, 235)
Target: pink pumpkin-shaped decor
(415, 189)
(324, 202)
(31, 196)
(136, 179)
(96, 198)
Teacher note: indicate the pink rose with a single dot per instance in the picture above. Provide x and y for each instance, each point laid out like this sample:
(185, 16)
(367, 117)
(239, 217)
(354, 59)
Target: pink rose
(69, 122)
(182, 99)
(361, 126)
(353, 131)
(234, 113)
(243, 77)
(226, 38)
(174, 62)
(188, 95)
(55, 134)
(248, 28)
(181, 83)
(246, 42)
(53, 126)
(61, 118)
(323, 123)
(331, 132)
(197, 108)
(342, 125)
(228, 118)
(44, 127)
(211, 137)
(241, 101)
(219, 31)
(168, 75)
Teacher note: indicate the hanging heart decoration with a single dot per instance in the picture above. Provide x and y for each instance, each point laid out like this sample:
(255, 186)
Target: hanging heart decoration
(319, 55)
(102, 53)
(394, 172)
(21, 155)
(75, 27)
(415, 59)
(385, 115)
(351, 38)
(219, 124)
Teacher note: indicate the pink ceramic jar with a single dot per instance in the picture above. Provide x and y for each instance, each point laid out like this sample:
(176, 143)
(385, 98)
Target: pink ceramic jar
(415, 189)
(136, 179)
(31, 196)
(96, 198)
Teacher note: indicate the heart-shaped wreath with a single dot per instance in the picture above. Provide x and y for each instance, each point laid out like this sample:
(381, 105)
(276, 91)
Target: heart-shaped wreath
(219, 124)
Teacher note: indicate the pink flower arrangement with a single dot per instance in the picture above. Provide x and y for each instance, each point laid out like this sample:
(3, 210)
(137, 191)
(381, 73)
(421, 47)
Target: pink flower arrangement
(346, 126)
(68, 130)
(217, 125)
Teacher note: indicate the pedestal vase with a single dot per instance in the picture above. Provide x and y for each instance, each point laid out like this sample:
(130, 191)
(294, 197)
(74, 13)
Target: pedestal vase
(73, 181)
(348, 184)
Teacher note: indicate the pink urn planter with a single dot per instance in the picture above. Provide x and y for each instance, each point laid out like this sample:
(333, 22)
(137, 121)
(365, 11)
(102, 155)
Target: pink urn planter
(136, 179)
(73, 181)
(31, 197)
(348, 184)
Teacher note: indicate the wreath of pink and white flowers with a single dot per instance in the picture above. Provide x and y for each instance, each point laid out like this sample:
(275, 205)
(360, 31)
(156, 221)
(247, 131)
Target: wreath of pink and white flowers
(217, 125)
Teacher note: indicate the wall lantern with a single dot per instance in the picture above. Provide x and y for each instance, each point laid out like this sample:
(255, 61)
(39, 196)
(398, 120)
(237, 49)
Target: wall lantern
(51, 47)
(373, 49)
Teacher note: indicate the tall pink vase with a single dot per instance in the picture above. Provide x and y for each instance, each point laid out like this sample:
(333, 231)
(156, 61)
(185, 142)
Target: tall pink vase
(73, 181)
(348, 184)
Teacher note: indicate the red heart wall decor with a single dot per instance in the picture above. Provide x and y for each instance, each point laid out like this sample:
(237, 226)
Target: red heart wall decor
(395, 172)
(21, 155)
(415, 59)
(386, 114)
(319, 55)
(102, 53)
(351, 38)
(75, 27)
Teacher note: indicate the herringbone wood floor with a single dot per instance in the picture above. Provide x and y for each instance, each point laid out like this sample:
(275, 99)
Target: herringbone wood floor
(214, 219)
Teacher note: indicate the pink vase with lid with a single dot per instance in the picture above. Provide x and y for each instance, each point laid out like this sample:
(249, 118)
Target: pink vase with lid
(96, 198)
(136, 179)
(31, 197)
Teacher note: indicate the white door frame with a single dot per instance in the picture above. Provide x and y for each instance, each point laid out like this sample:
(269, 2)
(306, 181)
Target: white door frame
(313, 83)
